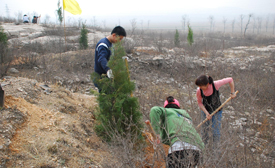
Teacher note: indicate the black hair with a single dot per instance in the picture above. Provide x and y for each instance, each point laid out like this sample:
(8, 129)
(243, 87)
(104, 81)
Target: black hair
(203, 80)
(120, 31)
(171, 99)
(25, 15)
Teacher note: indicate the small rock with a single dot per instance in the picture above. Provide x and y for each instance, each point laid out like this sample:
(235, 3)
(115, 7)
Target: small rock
(230, 108)
(13, 70)
(243, 119)
(270, 111)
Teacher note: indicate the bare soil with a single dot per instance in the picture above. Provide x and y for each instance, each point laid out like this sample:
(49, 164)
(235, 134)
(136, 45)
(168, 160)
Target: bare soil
(56, 128)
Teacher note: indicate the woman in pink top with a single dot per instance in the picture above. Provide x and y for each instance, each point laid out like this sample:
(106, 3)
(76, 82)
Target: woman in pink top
(209, 100)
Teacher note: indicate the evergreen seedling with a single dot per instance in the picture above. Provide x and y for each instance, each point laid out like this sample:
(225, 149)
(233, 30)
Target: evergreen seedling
(118, 110)
(177, 38)
(3, 45)
(83, 41)
(190, 36)
(59, 12)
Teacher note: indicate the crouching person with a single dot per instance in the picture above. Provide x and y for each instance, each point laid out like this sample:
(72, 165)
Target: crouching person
(173, 126)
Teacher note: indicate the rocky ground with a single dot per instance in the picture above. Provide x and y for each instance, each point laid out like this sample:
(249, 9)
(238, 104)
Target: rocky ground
(57, 117)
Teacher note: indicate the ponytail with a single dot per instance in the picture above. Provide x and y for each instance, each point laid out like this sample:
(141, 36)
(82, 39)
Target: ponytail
(210, 80)
(170, 99)
(203, 80)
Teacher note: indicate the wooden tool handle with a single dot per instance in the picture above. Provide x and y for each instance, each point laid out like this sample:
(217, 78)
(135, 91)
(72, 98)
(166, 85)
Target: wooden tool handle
(217, 110)
(151, 128)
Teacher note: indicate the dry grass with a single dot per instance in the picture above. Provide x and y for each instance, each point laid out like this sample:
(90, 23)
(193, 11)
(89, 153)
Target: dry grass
(52, 138)
(58, 131)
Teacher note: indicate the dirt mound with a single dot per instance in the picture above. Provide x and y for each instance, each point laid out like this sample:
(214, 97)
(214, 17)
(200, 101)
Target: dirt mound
(49, 129)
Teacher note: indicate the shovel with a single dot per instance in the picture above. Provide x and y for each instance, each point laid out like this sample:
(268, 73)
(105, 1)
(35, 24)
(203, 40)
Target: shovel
(2, 97)
(147, 122)
(216, 110)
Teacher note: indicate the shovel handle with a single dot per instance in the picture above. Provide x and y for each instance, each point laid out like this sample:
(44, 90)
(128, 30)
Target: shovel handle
(217, 110)
(126, 63)
(151, 128)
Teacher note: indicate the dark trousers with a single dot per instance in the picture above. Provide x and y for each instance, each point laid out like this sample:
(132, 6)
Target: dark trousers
(183, 159)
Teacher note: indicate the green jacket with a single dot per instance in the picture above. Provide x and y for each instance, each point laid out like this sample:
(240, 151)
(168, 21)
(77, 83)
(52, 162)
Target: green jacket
(173, 125)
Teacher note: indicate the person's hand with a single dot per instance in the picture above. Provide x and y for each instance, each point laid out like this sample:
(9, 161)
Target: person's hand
(157, 140)
(125, 57)
(208, 116)
(233, 95)
(110, 73)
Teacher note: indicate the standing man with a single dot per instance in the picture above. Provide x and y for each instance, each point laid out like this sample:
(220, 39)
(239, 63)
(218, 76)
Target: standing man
(103, 52)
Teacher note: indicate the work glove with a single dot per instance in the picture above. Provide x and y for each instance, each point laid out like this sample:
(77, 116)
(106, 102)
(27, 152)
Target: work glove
(110, 73)
(125, 57)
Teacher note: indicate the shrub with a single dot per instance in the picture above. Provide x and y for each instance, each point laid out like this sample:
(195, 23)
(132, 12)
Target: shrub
(4, 59)
(83, 41)
(3, 44)
(177, 38)
(190, 36)
(119, 111)
(59, 12)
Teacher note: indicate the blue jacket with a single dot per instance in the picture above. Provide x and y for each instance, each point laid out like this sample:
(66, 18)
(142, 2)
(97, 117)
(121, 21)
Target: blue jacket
(102, 56)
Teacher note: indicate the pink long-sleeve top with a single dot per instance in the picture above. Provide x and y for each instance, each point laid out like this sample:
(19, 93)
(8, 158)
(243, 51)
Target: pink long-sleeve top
(209, 89)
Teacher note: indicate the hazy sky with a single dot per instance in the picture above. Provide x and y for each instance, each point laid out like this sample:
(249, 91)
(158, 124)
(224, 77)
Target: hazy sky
(145, 11)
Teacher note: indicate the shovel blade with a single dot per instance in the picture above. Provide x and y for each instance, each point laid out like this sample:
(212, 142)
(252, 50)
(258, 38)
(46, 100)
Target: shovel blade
(2, 98)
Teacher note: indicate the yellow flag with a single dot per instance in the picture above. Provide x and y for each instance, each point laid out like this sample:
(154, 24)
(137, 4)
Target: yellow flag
(72, 7)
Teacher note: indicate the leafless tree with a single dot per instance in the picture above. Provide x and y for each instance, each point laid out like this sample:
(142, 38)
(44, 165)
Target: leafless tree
(246, 26)
(211, 21)
(133, 23)
(141, 24)
(19, 15)
(266, 23)
(104, 24)
(233, 24)
(254, 23)
(183, 21)
(188, 22)
(224, 23)
(80, 22)
(148, 23)
(7, 11)
(142, 31)
(47, 18)
(94, 22)
(241, 20)
(259, 20)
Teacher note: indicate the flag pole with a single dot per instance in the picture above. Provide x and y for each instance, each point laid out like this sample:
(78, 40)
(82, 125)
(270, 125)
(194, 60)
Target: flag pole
(64, 27)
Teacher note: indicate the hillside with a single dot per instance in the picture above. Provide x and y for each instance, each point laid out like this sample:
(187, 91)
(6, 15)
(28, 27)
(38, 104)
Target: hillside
(49, 110)
(49, 129)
